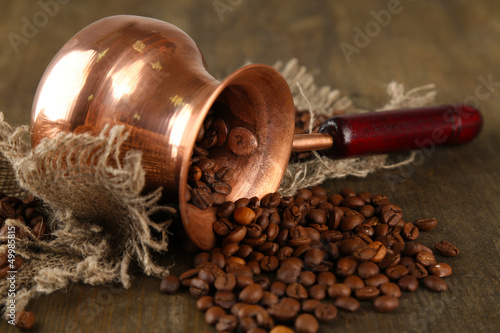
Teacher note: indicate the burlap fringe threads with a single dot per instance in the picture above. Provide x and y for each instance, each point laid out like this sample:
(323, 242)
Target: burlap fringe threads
(98, 217)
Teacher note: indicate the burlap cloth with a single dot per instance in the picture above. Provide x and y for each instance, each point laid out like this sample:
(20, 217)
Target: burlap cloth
(99, 220)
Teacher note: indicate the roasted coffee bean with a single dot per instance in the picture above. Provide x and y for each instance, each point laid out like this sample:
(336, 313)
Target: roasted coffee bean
(213, 314)
(296, 291)
(410, 231)
(286, 310)
(269, 263)
(254, 230)
(310, 304)
(241, 141)
(396, 272)
(256, 242)
(381, 229)
(412, 248)
(425, 258)
(218, 259)
(254, 267)
(367, 269)
(417, 270)
(386, 303)
(339, 290)
(226, 209)
(435, 283)
(346, 266)
(380, 199)
(364, 254)
(331, 236)
(391, 217)
(225, 282)
(306, 323)
(377, 280)
(205, 303)
(350, 222)
(347, 303)
(281, 329)
(226, 323)
(390, 289)
(325, 312)
(406, 261)
(170, 284)
(408, 283)
(236, 236)
(278, 288)
(349, 246)
(354, 282)
(317, 292)
(220, 128)
(366, 293)
(391, 259)
(251, 294)
(326, 279)
(222, 227)
(198, 287)
(225, 173)
(426, 224)
(317, 216)
(307, 278)
(25, 320)
(201, 199)
(446, 249)
(243, 215)
(367, 211)
(381, 251)
(224, 299)
(440, 270)
(353, 202)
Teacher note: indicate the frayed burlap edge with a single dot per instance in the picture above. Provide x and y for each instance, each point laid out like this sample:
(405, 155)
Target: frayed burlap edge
(327, 101)
(99, 219)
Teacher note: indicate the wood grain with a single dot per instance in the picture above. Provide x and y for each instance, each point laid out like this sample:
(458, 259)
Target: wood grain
(452, 44)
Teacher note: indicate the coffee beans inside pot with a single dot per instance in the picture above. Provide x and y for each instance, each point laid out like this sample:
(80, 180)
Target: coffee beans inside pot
(299, 260)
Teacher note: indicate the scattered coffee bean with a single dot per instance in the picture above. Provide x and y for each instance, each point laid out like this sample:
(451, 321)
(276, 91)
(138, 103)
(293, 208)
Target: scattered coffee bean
(25, 320)
(306, 323)
(170, 284)
(446, 249)
(435, 283)
(386, 303)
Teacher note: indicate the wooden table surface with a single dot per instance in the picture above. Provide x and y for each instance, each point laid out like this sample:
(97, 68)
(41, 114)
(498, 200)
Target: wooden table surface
(455, 45)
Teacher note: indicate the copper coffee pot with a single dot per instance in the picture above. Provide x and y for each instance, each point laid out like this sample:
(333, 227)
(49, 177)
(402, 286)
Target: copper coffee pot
(150, 76)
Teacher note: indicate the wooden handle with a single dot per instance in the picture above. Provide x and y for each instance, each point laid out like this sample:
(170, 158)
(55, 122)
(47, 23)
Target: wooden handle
(391, 131)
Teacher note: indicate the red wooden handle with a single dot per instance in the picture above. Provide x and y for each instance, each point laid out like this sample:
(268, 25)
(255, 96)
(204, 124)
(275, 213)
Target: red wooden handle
(391, 131)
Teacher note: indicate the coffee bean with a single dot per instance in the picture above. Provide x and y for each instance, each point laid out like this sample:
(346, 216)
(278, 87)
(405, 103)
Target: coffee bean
(440, 270)
(367, 211)
(418, 270)
(390, 289)
(381, 251)
(213, 314)
(296, 291)
(170, 284)
(25, 320)
(307, 278)
(366, 293)
(306, 323)
(281, 329)
(354, 282)
(435, 283)
(408, 283)
(396, 272)
(367, 269)
(198, 287)
(286, 310)
(350, 222)
(236, 236)
(251, 294)
(224, 299)
(241, 141)
(225, 173)
(446, 249)
(226, 323)
(353, 202)
(426, 224)
(325, 312)
(201, 199)
(243, 215)
(222, 227)
(310, 304)
(220, 128)
(347, 303)
(346, 266)
(338, 290)
(225, 282)
(386, 303)
(205, 303)
(410, 231)
(376, 280)
(425, 258)
(364, 254)
(317, 292)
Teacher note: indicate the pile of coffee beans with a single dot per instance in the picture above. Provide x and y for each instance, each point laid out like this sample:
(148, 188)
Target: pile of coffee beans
(208, 181)
(24, 210)
(299, 260)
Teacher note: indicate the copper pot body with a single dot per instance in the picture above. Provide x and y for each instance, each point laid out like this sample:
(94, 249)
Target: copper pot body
(150, 76)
